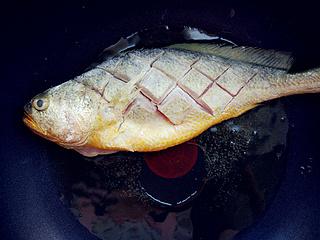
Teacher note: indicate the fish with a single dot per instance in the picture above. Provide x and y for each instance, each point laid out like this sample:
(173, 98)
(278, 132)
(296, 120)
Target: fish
(146, 100)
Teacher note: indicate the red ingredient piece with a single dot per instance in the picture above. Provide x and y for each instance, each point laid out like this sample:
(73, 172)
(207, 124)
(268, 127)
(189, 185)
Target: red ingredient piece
(173, 162)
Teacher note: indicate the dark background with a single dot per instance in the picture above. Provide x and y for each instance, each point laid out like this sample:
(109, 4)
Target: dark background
(45, 43)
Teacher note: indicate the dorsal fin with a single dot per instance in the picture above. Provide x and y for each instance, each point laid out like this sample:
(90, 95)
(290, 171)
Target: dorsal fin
(263, 57)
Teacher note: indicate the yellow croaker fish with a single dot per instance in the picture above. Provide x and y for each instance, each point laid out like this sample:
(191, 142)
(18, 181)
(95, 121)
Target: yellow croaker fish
(152, 99)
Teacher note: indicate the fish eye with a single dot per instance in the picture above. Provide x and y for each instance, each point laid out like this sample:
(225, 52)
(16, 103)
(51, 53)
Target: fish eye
(40, 104)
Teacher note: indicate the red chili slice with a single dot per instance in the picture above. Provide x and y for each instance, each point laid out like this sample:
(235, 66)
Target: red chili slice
(173, 162)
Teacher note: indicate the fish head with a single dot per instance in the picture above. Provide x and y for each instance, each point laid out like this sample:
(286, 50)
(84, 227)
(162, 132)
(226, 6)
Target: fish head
(64, 114)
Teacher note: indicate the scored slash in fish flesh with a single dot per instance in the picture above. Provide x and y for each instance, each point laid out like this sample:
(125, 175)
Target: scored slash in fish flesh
(152, 99)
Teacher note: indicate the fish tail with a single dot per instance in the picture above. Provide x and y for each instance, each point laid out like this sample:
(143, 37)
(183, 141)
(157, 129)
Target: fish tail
(272, 86)
(284, 84)
(300, 83)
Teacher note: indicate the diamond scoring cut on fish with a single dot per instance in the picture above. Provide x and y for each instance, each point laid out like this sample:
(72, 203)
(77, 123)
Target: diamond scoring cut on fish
(96, 79)
(131, 69)
(211, 67)
(141, 116)
(113, 89)
(175, 107)
(174, 64)
(216, 98)
(111, 64)
(233, 79)
(141, 110)
(178, 105)
(155, 85)
(194, 83)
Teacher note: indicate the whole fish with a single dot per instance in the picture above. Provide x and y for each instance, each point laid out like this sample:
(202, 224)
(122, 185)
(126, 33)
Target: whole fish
(152, 99)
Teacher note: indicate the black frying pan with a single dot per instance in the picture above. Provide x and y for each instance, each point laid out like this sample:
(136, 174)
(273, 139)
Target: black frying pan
(48, 43)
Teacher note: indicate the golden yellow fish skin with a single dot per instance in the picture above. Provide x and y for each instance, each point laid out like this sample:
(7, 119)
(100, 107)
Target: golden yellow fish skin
(149, 100)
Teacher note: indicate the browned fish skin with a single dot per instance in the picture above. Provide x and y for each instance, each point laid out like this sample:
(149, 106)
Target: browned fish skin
(153, 99)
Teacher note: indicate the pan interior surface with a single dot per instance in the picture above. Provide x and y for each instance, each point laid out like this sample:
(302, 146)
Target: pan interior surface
(262, 189)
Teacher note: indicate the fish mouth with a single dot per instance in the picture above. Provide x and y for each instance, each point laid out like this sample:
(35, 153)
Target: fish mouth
(29, 122)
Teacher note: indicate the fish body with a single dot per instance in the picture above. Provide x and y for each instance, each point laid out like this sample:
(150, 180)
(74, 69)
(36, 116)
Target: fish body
(152, 99)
